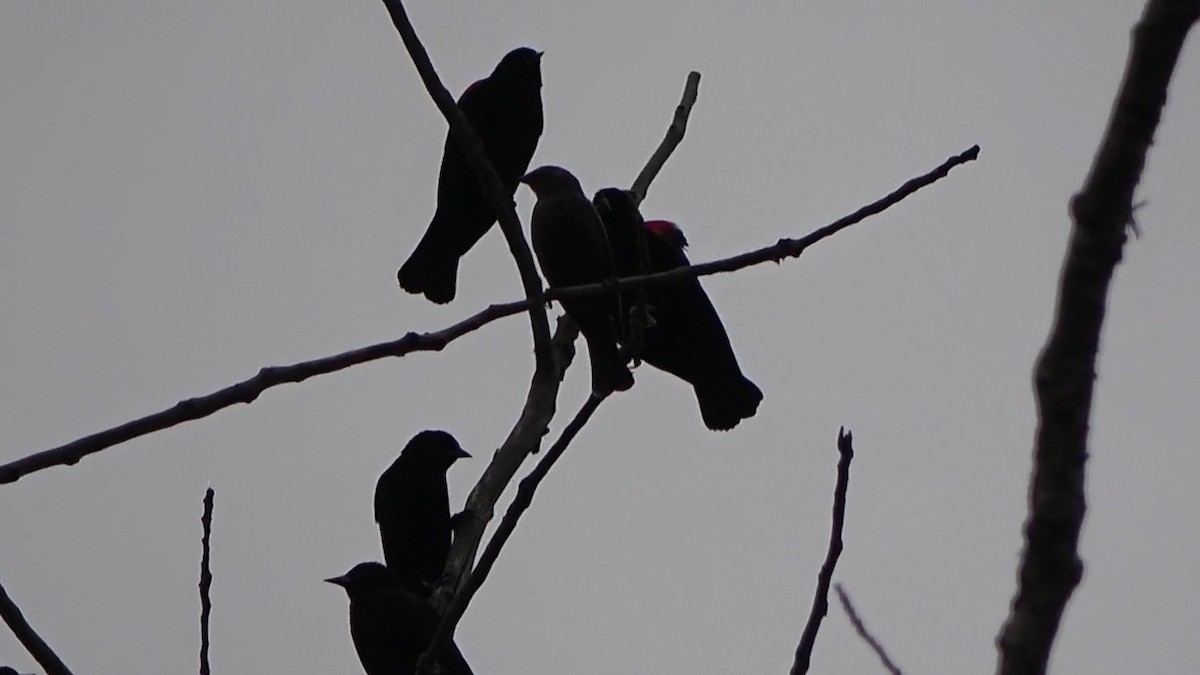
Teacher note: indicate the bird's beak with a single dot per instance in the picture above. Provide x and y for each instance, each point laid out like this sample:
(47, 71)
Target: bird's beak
(541, 54)
(525, 179)
(462, 454)
(338, 581)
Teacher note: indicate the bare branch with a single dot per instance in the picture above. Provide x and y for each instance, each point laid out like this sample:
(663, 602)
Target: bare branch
(820, 606)
(863, 633)
(501, 202)
(248, 390)
(524, 439)
(675, 133)
(504, 530)
(1064, 375)
(205, 580)
(34, 644)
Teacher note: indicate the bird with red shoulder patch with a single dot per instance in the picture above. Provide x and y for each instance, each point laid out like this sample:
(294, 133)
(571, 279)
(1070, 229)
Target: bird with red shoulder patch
(505, 109)
(687, 337)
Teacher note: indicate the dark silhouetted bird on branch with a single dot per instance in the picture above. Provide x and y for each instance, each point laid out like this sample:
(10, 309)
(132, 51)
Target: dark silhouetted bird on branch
(686, 338)
(505, 109)
(391, 627)
(412, 507)
(572, 249)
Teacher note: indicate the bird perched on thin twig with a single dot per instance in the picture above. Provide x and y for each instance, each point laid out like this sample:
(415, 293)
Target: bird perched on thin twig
(572, 249)
(505, 109)
(391, 627)
(686, 338)
(412, 508)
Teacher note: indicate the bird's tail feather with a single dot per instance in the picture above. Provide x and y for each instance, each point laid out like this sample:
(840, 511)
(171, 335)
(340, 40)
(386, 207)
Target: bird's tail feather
(430, 271)
(725, 403)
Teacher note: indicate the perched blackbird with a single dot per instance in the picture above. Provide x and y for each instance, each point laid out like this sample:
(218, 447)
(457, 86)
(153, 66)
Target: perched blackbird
(686, 338)
(572, 249)
(412, 507)
(391, 627)
(505, 109)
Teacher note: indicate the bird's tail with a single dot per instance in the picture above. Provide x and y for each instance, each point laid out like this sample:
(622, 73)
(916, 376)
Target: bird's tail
(725, 403)
(609, 372)
(432, 270)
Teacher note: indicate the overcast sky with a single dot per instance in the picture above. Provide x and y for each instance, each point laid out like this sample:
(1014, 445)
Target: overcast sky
(190, 191)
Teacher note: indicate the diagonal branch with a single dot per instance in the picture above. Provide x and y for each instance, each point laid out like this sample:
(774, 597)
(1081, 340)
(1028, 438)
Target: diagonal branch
(501, 203)
(37, 647)
(524, 439)
(820, 606)
(675, 132)
(248, 390)
(508, 524)
(1065, 372)
(861, 629)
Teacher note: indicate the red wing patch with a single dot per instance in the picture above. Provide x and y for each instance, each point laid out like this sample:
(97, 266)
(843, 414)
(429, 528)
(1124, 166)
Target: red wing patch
(667, 230)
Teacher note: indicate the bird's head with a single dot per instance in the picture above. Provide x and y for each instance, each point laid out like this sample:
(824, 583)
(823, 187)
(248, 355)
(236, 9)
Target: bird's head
(550, 180)
(522, 63)
(433, 448)
(667, 230)
(617, 207)
(364, 578)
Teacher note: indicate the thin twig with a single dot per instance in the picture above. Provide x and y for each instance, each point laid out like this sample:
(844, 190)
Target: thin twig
(820, 606)
(248, 390)
(674, 135)
(1065, 371)
(861, 629)
(504, 530)
(205, 580)
(34, 644)
(498, 199)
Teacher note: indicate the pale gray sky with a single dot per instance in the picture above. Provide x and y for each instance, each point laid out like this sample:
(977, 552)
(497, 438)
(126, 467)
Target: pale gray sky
(191, 191)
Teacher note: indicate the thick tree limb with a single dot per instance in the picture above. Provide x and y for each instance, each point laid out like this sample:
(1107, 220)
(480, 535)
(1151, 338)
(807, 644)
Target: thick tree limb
(861, 629)
(248, 390)
(1050, 567)
(523, 440)
(500, 201)
(205, 580)
(675, 132)
(34, 644)
(820, 606)
(524, 498)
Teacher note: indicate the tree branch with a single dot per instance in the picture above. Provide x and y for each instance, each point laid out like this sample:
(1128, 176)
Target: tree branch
(34, 644)
(524, 498)
(820, 606)
(861, 629)
(675, 132)
(502, 203)
(248, 390)
(524, 439)
(1064, 375)
(205, 580)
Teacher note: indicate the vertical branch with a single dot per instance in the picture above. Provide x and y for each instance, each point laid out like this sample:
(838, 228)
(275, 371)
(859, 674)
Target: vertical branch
(34, 644)
(820, 606)
(205, 580)
(1050, 567)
